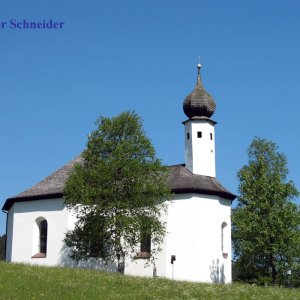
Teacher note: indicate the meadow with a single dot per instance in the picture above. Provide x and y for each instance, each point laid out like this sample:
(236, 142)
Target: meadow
(19, 281)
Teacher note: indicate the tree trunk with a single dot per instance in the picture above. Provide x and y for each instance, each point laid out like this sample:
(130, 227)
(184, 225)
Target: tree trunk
(121, 262)
(273, 268)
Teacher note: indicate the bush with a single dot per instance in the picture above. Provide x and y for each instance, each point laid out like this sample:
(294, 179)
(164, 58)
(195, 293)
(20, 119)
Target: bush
(2, 247)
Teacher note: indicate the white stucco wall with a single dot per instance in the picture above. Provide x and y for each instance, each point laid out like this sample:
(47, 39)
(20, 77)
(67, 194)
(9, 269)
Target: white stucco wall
(25, 234)
(200, 152)
(140, 267)
(195, 235)
(9, 237)
(194, 226)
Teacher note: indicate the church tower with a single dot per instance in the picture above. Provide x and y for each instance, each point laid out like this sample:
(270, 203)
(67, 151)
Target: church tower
(199, 106)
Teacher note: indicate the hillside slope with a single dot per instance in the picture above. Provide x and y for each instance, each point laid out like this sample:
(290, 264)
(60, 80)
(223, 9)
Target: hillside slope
(19, 281)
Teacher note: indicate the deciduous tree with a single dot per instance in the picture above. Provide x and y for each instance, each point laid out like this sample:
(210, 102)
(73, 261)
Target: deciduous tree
(117, 193)
(266, 223)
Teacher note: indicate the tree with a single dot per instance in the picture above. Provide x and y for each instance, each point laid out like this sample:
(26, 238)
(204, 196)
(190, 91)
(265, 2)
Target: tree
(117, 193)
(2, 247)
(266, 223)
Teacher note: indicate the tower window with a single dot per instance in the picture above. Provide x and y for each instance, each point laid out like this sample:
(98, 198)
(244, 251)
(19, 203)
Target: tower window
(188, 135)
(199, 134)
(211, 136)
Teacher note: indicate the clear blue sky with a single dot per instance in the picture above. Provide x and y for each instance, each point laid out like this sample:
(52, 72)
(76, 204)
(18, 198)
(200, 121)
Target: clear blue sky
(113, 56)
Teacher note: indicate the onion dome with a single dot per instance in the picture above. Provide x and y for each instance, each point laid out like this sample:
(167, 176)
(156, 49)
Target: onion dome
(199, 103)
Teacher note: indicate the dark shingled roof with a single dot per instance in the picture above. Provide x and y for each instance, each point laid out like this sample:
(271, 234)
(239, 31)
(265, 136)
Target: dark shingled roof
(51, 187)
(181, 180)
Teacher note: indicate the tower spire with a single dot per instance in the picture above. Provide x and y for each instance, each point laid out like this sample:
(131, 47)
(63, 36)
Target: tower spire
(198, 77)
(199, 103)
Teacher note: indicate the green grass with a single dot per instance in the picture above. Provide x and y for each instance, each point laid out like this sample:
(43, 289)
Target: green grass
(18, 281)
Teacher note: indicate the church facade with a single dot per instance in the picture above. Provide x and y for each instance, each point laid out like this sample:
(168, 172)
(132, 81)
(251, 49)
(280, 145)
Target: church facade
(197, 246)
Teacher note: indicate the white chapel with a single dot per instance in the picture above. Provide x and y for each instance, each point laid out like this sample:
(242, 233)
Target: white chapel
(197, 246)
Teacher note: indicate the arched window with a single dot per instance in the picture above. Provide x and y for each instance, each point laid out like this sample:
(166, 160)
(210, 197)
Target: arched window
(145, 240)
(224, 239)
(39, 238)
(43, 228)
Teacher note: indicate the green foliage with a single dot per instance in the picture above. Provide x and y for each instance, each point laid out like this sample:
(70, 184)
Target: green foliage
(117, 192)
(266, 223)
(2, 247)
(19, 281)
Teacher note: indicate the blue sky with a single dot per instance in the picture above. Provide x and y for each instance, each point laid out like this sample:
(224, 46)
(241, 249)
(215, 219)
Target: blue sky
(112, 56)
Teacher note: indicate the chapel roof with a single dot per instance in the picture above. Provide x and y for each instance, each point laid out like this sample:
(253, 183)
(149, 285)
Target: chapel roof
(199, 103)
(180, 181)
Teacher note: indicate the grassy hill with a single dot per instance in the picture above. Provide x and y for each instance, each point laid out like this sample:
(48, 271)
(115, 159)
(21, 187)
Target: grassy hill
(19, 281)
